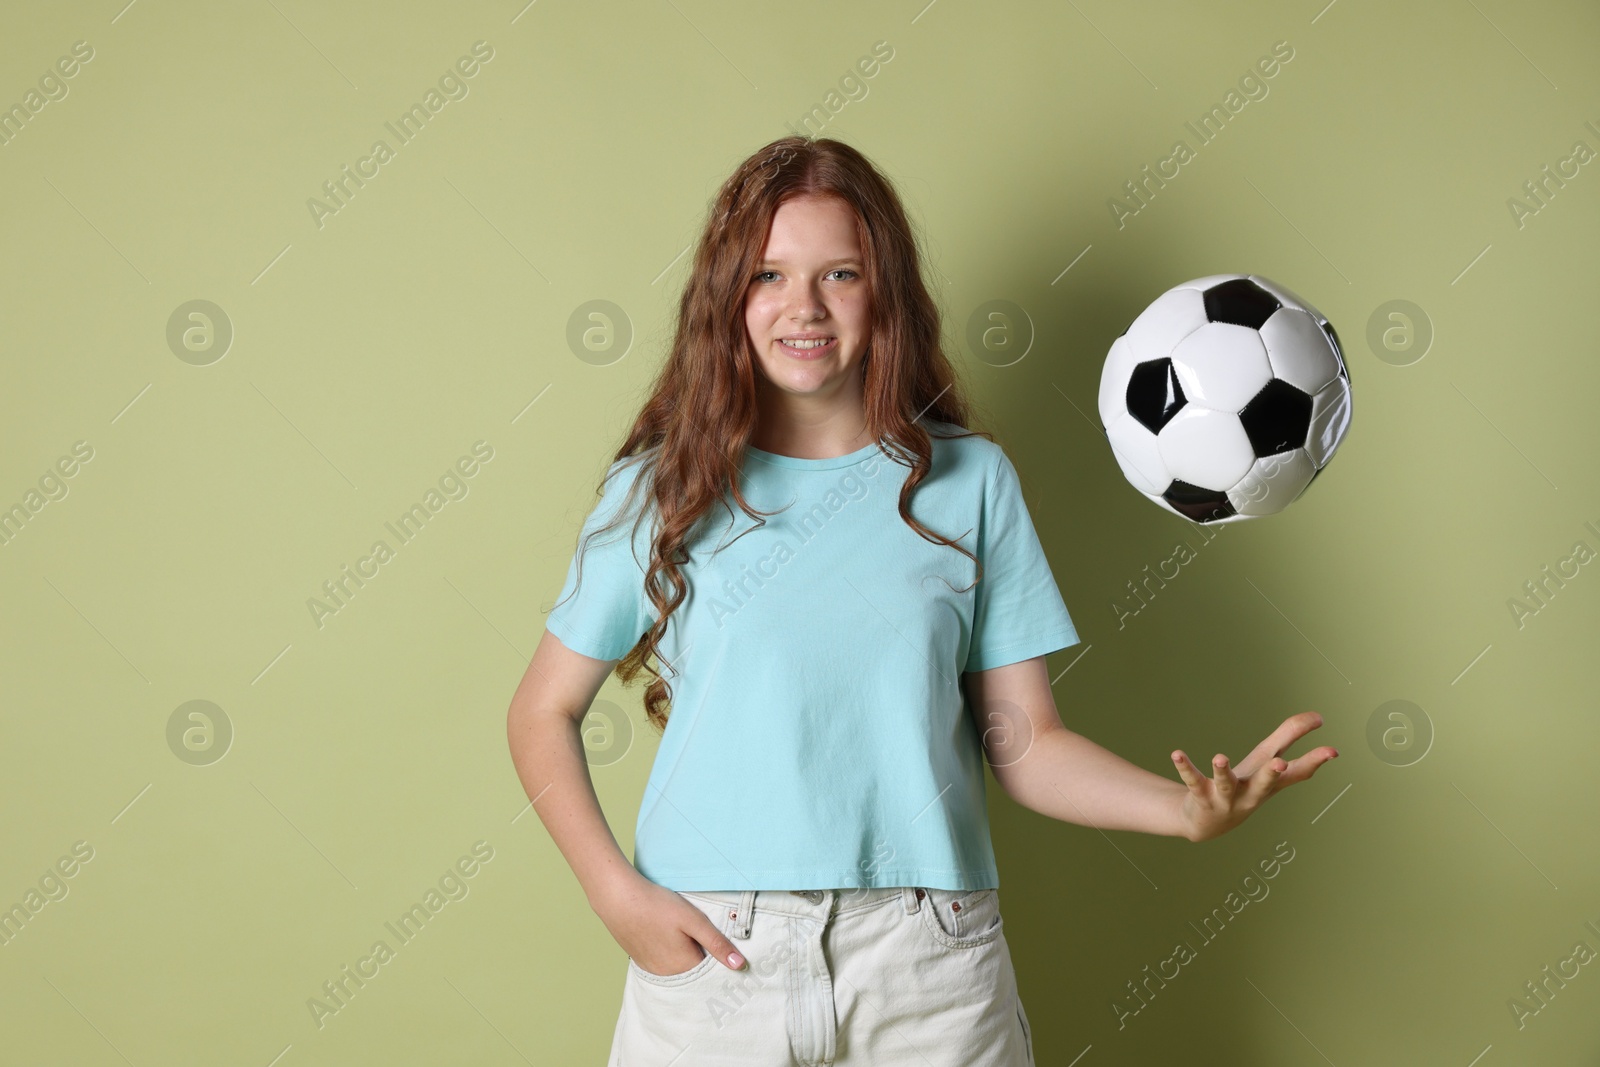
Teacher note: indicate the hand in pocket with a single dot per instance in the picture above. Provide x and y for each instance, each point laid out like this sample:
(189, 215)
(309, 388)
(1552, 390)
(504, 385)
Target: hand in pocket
(662, 932)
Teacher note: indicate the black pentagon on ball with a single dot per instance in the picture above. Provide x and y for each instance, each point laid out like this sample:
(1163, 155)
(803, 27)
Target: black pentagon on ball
(1197, 502)
(1277, 418)
(1241, 302)
(1154, 393)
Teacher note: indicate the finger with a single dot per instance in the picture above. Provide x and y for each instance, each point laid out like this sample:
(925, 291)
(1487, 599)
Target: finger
(1190, 775)
(1223, 777)
(1291, 730)
(1265, 782)
(716, 944)
(1304, 767)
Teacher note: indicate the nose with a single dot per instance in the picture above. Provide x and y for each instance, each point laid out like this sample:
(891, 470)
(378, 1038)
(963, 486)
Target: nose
(807, 307)
(806, 313)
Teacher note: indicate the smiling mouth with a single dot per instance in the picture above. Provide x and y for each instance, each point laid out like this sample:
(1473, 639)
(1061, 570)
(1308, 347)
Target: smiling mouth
(807, 346)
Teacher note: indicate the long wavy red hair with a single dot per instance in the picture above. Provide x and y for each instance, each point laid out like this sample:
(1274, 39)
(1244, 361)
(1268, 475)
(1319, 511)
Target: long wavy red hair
(692, 431)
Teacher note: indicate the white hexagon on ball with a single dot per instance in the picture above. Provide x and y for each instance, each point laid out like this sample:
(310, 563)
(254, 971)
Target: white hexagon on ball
(1221, 365)
(1330, 418)
(1120, 362)
(1300, 353)
(1273, 482)
(1206, 447)
(1137, 454)
(1171, 317)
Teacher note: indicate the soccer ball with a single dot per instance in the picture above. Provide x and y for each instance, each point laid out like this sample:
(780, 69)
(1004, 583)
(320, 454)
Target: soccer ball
(1225, 398)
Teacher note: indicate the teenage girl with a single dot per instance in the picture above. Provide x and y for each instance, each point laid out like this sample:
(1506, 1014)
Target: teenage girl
(853, 610)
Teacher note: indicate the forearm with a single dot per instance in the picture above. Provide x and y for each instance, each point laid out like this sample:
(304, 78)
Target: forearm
(1067, 776)
(547, 750)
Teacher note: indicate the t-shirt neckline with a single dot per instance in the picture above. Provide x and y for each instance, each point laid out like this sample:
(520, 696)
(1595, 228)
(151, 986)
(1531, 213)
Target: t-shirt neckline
(828, 463)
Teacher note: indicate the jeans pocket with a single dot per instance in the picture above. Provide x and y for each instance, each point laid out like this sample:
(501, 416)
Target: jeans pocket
(707, 961)
(958, 918)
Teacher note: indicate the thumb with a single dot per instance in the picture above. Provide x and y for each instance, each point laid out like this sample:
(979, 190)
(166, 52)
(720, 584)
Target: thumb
(716, 944)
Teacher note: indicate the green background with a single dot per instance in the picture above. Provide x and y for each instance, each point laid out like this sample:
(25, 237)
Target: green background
(434, 310)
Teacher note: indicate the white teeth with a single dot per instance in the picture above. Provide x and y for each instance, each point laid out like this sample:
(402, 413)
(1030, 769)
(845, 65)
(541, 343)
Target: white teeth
(808, 344)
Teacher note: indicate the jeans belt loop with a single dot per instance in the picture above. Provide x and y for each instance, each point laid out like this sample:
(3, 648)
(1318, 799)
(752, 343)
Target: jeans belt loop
(741, 920)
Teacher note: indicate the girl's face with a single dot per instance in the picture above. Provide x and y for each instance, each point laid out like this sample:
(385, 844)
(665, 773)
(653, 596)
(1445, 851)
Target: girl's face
(811, 283)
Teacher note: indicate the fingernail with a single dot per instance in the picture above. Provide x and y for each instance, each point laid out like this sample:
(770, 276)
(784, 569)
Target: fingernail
(735, 960)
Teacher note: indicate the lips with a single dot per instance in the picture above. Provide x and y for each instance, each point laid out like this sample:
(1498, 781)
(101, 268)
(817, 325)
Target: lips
(811, 352)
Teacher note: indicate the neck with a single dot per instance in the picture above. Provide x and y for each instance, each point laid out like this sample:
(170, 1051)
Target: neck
(788, 426)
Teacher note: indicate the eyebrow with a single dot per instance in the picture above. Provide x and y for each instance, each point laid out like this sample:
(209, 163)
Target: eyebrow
(830, 263)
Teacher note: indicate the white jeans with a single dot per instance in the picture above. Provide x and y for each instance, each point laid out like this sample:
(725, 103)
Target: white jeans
(913, 976)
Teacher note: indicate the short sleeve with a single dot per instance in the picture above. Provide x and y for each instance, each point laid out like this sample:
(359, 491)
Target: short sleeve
(602, 610)
(1019, 612)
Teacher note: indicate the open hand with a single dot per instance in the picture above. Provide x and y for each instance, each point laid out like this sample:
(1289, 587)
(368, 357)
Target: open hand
(1213, 806)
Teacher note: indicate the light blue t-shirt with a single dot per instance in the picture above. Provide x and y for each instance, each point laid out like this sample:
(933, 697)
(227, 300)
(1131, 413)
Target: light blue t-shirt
(818, 735)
